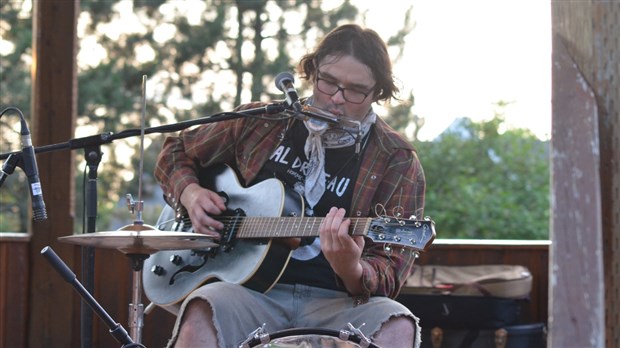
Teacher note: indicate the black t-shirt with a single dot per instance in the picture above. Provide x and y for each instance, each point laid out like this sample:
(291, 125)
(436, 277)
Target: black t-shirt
(288, 164)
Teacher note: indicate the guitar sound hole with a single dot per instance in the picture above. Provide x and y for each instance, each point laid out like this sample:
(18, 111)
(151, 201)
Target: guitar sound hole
(191, 268)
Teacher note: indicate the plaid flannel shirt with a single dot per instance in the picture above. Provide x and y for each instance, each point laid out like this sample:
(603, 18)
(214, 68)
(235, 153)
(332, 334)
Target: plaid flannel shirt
(391, 181)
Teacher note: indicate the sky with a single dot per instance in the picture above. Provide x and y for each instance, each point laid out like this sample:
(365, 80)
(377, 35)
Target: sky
(463, 57)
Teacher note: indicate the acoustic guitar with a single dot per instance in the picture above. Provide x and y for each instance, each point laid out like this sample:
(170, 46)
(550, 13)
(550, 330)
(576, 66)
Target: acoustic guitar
(247, 253)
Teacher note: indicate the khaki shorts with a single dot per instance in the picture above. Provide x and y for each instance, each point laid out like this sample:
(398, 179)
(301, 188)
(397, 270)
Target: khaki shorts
(239, 311)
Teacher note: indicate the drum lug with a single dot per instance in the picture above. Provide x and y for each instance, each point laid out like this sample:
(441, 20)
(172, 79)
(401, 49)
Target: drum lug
(259, 333)
(364, 341)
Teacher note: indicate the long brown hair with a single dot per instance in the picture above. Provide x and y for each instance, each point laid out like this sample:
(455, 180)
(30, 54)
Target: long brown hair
(364, 45)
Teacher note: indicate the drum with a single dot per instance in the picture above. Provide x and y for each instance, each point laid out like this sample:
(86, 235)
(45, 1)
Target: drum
(308, 338)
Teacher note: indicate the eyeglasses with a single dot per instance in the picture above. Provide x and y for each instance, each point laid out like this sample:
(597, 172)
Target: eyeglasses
(330, 88)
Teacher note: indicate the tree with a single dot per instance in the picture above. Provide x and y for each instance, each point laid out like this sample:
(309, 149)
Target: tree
(485, 183)
(15, 82)
(217, 56)
(204, 59)
(200, 57)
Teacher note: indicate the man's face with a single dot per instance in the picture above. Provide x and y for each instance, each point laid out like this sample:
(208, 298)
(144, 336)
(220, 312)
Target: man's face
(344, 87)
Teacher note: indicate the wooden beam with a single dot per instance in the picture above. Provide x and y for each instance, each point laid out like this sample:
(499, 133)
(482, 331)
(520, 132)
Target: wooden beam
(585, 35)
(577, 312)
(52, 314)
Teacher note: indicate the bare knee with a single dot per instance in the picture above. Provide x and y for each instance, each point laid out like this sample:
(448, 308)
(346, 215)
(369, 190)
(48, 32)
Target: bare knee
(396, 332)
(197, 311)
(197, 327)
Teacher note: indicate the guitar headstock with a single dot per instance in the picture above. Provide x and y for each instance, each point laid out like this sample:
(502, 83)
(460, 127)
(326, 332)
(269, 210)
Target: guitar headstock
(413, 234)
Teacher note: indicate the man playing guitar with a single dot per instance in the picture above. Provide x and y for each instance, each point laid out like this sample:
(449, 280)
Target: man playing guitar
(340, 175)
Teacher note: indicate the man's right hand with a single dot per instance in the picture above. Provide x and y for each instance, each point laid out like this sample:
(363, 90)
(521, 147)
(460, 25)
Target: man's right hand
(201, 204)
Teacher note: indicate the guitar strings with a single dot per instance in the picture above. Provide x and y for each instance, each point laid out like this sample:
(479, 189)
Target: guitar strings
(294, 227)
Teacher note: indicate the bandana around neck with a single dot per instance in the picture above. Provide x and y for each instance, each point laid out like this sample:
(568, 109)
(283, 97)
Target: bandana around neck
(322, 136)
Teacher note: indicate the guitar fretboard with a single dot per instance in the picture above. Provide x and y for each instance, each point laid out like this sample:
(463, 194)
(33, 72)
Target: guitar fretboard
(274, 227)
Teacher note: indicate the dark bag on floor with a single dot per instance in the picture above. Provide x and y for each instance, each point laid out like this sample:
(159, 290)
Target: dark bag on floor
(467, 297)
(463, 312)
(515, 336)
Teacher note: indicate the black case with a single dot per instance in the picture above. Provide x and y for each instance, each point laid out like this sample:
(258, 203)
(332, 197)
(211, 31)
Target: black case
(463, 312)
(516, 336)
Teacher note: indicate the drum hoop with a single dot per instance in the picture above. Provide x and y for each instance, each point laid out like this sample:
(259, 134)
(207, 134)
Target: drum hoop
(344, 335)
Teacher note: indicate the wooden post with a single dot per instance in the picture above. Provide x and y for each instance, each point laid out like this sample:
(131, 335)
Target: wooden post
(585, 252)
(53, 320)
(576, 268)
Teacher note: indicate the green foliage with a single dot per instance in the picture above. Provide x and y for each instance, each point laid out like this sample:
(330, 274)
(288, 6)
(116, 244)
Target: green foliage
(16, 28)
(483, 183)
(190, 73)
(110, 92)
(15, 82)
(400, 115)
(229, 55)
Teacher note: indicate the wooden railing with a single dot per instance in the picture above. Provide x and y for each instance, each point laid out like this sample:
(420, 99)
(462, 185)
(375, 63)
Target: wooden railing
(113, 284)
(14, 266)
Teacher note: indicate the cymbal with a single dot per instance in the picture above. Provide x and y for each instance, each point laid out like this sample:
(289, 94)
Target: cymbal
(141, 239)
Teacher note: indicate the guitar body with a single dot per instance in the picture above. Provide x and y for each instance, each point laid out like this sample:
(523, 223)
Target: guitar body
(246, 254)
(170, 275)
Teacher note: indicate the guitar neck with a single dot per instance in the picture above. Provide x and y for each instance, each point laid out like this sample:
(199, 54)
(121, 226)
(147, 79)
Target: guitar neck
(275, 227)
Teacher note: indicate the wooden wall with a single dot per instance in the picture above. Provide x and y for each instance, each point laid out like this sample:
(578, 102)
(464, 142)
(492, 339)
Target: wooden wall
(14, 267)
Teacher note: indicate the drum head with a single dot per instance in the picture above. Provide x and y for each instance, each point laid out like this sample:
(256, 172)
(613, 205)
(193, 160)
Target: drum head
(309, 338)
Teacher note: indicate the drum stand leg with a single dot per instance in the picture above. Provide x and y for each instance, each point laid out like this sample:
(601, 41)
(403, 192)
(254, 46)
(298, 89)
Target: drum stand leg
(136, 308)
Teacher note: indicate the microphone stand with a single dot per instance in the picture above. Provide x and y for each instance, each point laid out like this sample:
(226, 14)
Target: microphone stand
(92, 148)
(9, 165)
(92, 154)
(108, 137)
(116, 329)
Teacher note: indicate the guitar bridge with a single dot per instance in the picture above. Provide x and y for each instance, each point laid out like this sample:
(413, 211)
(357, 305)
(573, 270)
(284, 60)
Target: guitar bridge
(231, 225)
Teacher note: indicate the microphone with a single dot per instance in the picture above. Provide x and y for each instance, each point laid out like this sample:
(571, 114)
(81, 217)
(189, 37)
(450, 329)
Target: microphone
(284, 82)
(32, 172)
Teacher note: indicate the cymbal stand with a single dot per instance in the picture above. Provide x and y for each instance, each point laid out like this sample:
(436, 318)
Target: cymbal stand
(136, 308)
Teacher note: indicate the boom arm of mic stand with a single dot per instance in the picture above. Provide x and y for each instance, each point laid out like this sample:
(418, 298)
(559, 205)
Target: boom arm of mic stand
(108, 137)
(116, 329)
(268, 109)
